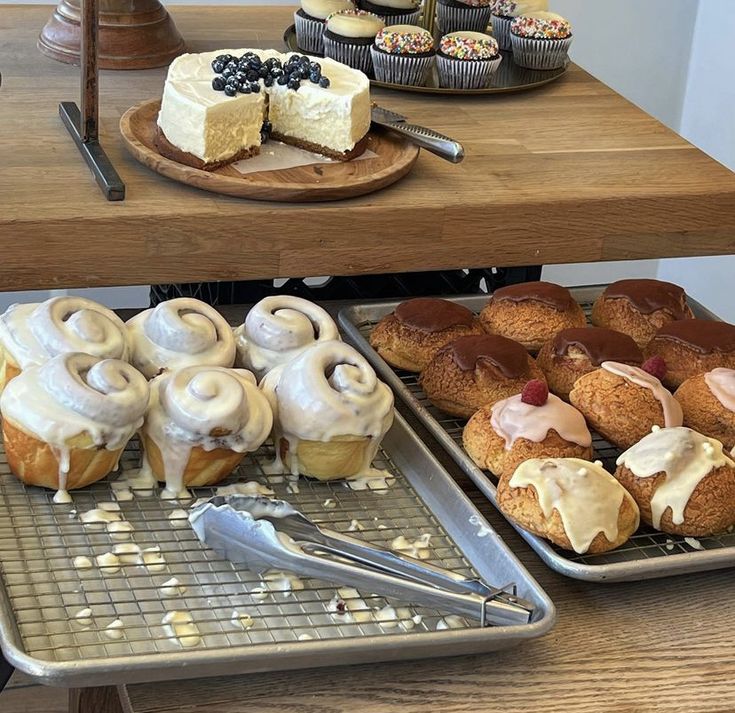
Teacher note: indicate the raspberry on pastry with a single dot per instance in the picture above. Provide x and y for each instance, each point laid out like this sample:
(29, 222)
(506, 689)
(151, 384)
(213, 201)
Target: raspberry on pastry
(474, 371)
(410, 336)
(640, 307)
(531, 313)
(577, 505)
(682, 481)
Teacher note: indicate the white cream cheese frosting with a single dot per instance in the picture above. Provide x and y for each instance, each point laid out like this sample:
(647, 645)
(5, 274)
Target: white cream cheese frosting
(354, 23)
(685, 456)
(208, 407)
(322, 9)
(177, 333)
(330, 390)
(721, 383)
(585, 495)
(32, 333)
(277, 329)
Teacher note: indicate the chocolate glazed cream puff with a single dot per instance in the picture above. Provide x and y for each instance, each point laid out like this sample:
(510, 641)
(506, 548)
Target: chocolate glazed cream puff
(531, 313)
(574, 352)
(477, 370)
(640, 307)
(409, 337)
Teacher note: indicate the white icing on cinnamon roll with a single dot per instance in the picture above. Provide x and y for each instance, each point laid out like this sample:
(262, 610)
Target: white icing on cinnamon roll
(278, 329)
(33, 333)
(178, 333)
(329, 390)
(73, 394)
(206, 406)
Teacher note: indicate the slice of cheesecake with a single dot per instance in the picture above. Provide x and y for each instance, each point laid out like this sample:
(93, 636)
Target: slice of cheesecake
(202, 125)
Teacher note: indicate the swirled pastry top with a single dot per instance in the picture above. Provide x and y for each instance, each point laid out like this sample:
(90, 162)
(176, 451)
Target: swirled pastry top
(278, 329)
(32, 333)
(78, 393)
(177, 333)
(330, 390)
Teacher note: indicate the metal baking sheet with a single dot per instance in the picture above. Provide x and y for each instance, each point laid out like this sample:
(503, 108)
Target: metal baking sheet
(40, 589)
(647, 555)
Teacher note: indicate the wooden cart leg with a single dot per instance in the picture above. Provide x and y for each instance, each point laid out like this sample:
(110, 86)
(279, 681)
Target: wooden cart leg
(104, 699)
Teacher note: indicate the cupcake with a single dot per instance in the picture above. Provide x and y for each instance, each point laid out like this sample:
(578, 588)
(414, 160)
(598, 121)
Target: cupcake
(505, 11)
(467, 60)
(310, 19)
(455, 15)
(394, 12)
(540, 40)
(348, 36)
(403, 54)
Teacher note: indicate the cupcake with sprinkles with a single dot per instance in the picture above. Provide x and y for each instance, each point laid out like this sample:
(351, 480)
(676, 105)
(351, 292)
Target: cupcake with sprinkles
(310, 19)
(403, 54)
(467, 60)
(541, 40)
(394, 12)
(505, 11)
(348, 37)
(456, 15)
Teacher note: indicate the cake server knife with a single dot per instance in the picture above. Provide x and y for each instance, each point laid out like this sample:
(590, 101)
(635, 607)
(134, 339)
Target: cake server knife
(263, 533)
(442, 146)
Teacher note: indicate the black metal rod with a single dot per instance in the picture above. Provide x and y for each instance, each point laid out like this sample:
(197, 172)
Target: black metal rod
(104, 172)
(90, 74)
(6, 671)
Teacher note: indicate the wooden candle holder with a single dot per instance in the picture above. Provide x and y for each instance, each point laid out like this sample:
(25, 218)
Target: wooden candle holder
(133, 34)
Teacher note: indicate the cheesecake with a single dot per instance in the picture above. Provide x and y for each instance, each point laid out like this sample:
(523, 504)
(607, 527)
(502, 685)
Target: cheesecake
(218, 107)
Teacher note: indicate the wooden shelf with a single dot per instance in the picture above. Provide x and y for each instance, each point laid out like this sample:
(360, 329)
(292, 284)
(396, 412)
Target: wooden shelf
(568, 173)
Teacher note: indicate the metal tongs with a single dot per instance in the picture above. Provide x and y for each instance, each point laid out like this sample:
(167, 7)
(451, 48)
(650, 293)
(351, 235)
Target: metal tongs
(263, 534)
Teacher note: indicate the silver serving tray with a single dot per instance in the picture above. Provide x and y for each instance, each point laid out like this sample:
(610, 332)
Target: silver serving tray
(509, 78)
(40, 590)
(647, 555)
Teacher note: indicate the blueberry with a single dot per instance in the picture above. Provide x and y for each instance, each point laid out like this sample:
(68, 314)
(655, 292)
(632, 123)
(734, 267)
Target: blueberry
(324, 82)
(293, 84)
(227, 72)
(233, 80)
(268, 81)
(230, 90)
(294, 58)
(314, 77)
(232, 64)
(316, 67)
(240, 76)
(218, 66)
(256, 61)
(255, 87)
(245, 88)
(218, 84)
(283, 79)
(263, 72)
(295, 76)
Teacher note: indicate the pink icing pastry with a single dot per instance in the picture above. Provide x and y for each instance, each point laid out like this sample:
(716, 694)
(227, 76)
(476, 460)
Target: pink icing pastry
(721, 383)
(673, 415)
(512, 419)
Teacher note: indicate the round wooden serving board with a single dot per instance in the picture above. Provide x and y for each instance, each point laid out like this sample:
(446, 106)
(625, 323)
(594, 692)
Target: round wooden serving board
(318, 182)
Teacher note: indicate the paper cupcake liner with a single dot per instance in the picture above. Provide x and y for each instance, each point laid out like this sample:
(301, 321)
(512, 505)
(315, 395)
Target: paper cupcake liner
(454, 19)
(408, 18)
(309, 34)
(355, 56)
(400, 68)
(466, 74)
(501, 31)
(540, 54)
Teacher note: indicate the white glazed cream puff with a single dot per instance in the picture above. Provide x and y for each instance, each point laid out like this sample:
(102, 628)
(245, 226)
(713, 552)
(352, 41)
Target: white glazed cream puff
(682, 481)
(33, 333)
(708, 402)
(66, 422)
(331, 412)
(177, 333)
(201, 422)
(277, 329)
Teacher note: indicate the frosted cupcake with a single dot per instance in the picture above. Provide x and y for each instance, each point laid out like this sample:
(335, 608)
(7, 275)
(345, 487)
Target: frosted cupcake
(310, 19)
(403, 54)
(394, 12)
(467, 60)
(455, 15)
(348, 36)
(541, 40)
(505, 11)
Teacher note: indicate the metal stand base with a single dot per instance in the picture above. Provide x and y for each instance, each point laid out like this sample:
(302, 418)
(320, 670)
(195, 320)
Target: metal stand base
(104, 172)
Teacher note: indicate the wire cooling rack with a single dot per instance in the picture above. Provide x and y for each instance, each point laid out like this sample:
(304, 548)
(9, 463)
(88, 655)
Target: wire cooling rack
(647, 554)
(44, 590)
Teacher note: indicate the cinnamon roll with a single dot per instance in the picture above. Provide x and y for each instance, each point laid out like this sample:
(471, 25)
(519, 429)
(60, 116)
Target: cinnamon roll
(278, 329)
(178, 333)
(331, 412)
(201, 422)
(66, 422)
(33, 333)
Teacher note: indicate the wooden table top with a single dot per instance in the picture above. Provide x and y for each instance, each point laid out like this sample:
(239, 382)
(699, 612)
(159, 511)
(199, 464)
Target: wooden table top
(569, 172)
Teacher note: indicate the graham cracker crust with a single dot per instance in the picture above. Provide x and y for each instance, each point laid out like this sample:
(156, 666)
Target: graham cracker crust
(167, 149)
(359, 148)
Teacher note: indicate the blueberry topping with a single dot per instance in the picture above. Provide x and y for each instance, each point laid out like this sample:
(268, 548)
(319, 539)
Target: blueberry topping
(263, 72)
(268, 81)
(230, 90)
(314, 77)
(218, 84)
(227, 72)
(233, 80)
(324, 82)
(218, 66)
(294, 84)
(294, 58)
(254, 87)
(283, 79)
(295, 76)
(232, 64)
(253, 76)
